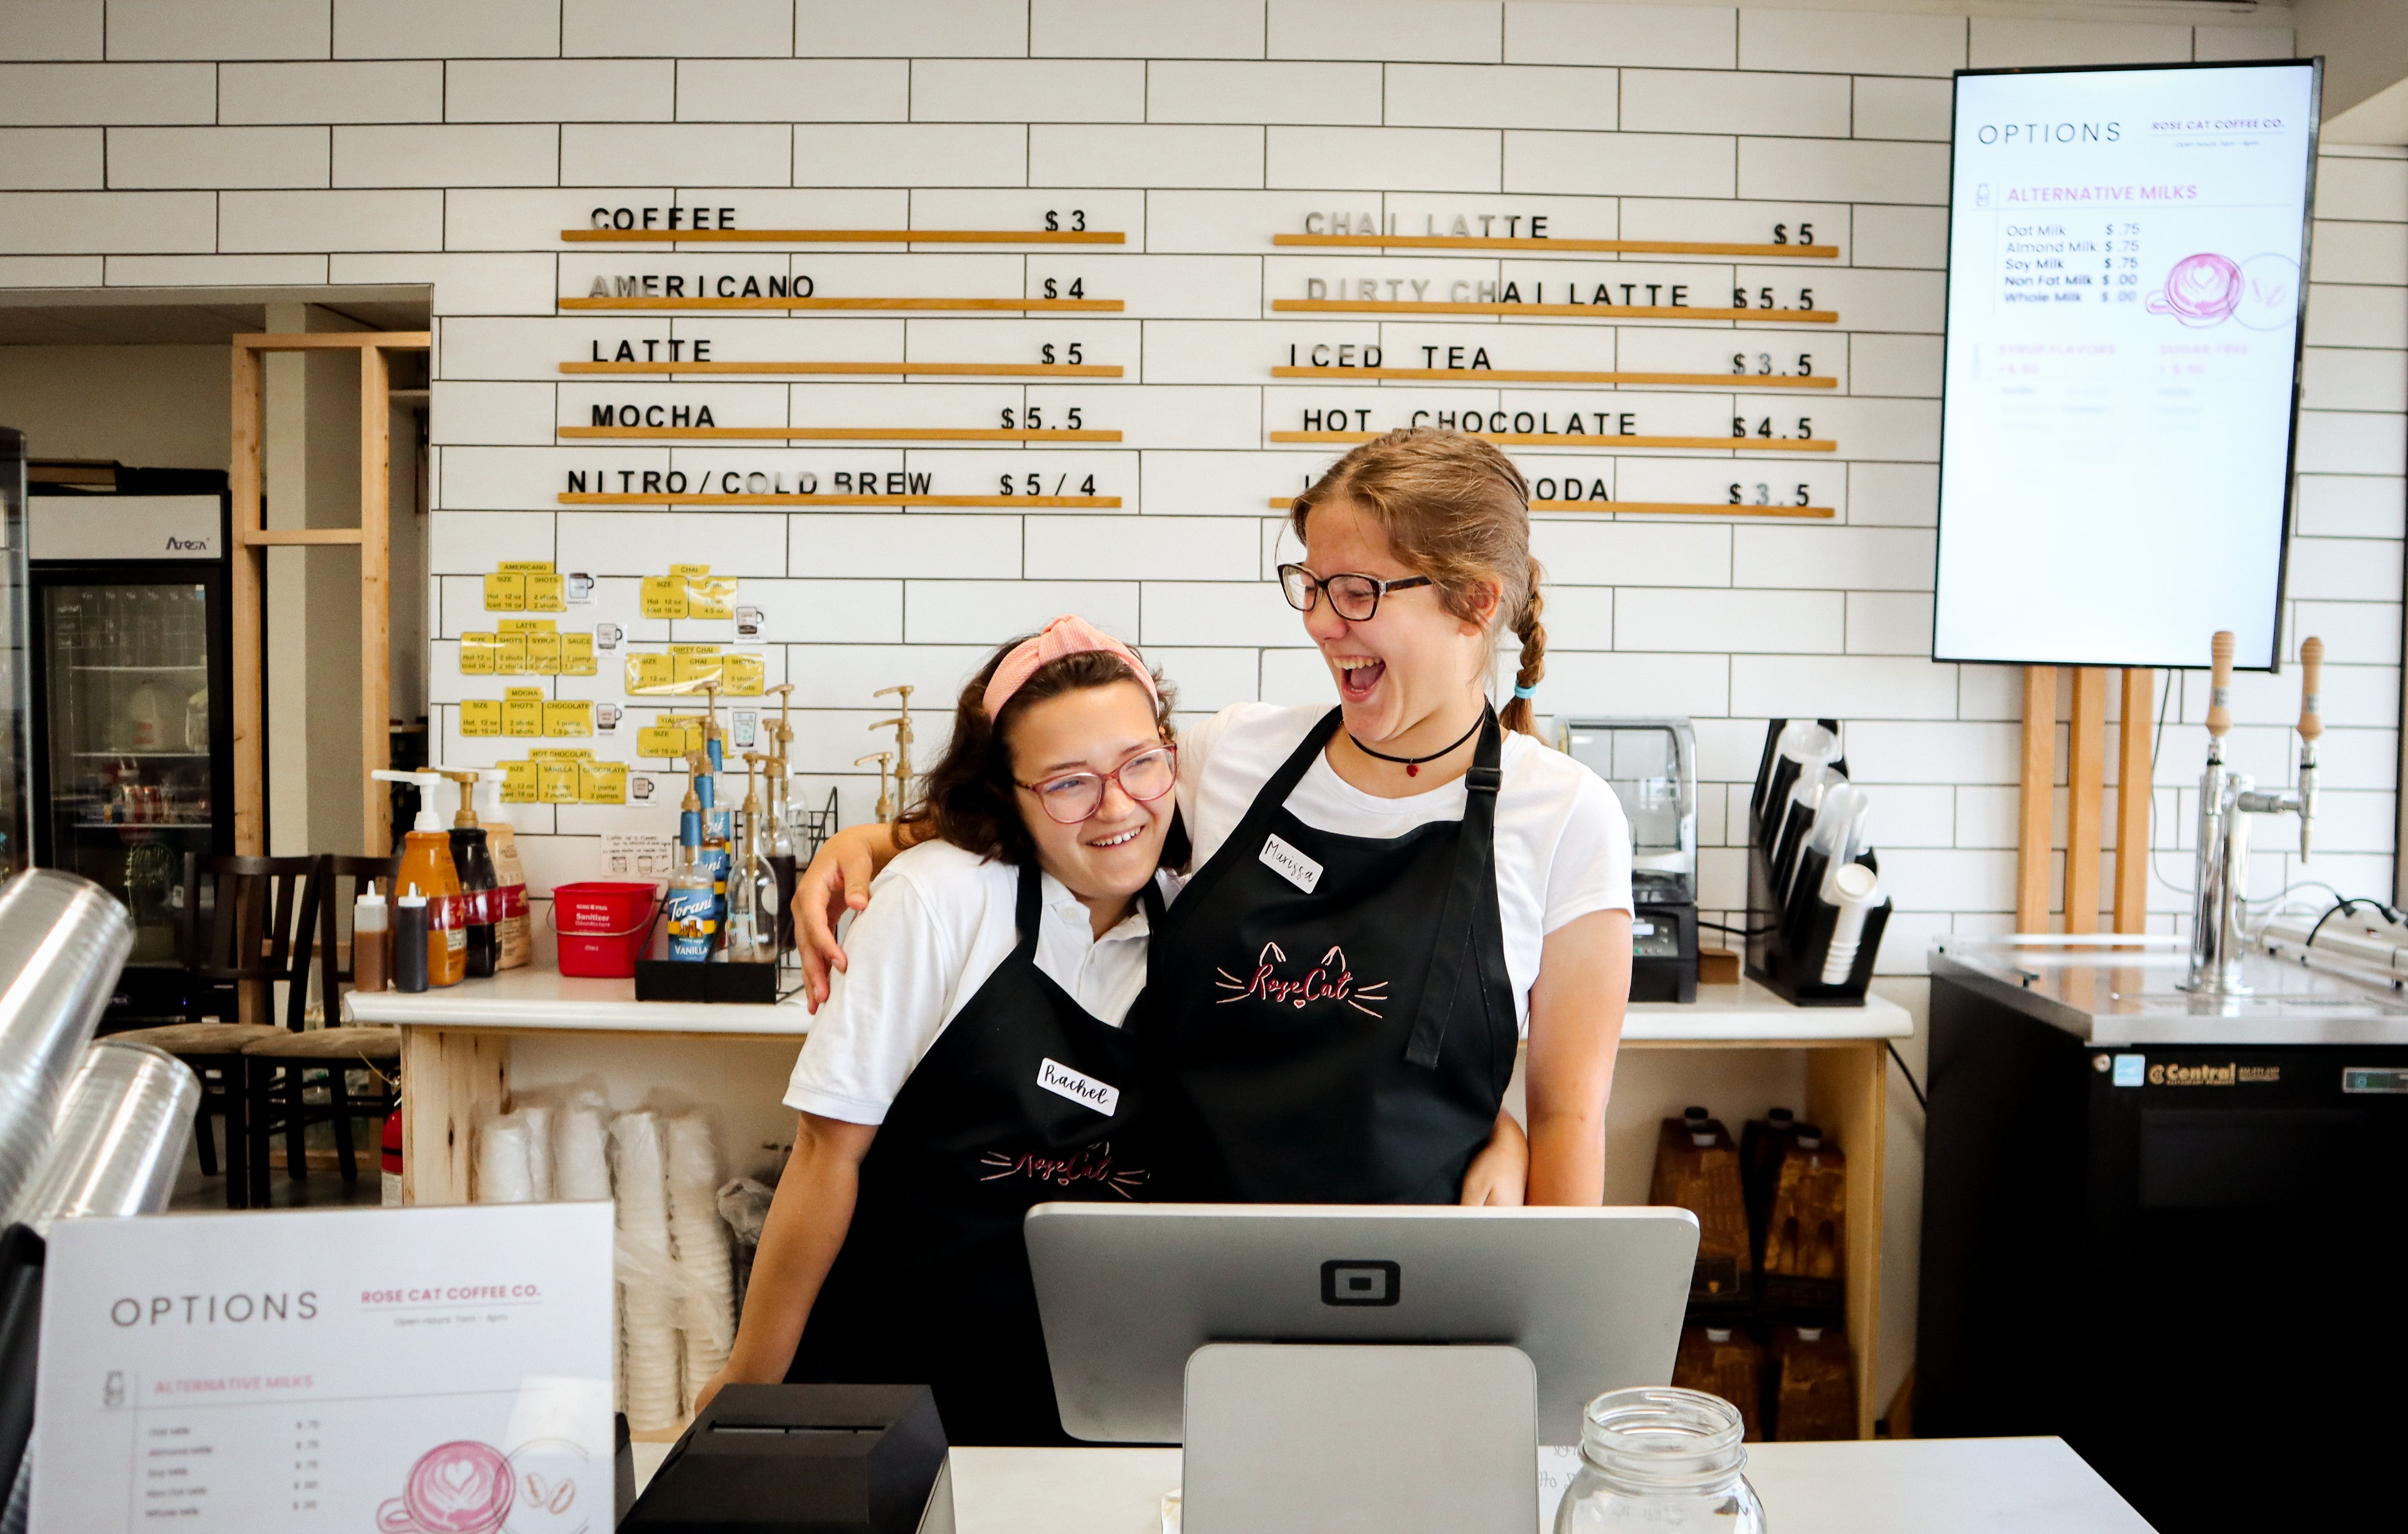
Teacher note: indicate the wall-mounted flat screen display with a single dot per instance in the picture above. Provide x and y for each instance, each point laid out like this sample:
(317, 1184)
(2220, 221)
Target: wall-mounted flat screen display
(2127, 261)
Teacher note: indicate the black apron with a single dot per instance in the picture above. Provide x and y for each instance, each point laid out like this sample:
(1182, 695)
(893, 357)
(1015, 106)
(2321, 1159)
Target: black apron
(932, 1285)
(1345, 1044)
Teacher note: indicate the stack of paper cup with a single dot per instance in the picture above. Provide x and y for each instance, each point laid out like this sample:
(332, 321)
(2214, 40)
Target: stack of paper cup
(654, 1384)
(701, 1240)
(504, 1173)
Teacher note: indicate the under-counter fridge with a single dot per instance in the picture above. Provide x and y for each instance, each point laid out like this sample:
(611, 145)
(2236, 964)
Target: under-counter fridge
(133, 751)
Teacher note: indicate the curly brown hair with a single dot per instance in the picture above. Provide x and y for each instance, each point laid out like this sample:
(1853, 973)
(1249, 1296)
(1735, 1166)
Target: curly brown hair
(968, 798)
(1458, 511)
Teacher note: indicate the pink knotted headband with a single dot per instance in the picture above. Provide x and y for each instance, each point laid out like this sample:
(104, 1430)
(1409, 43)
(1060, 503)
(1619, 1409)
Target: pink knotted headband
(1069, 635)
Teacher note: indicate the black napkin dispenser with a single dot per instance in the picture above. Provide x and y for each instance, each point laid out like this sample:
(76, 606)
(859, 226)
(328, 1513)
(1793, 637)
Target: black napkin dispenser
(800, 1459)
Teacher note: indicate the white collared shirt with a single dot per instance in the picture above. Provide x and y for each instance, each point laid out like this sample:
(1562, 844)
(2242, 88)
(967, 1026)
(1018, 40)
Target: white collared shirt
(940, 921)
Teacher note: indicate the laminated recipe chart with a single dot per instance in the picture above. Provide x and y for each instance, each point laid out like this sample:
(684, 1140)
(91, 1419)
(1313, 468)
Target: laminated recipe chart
(385, 1371)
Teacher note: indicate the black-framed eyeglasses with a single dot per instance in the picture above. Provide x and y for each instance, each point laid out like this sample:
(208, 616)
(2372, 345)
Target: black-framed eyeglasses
(1074, 798)
(1353, 597)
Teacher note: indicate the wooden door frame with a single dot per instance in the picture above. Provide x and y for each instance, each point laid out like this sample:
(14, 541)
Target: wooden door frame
(373, 537)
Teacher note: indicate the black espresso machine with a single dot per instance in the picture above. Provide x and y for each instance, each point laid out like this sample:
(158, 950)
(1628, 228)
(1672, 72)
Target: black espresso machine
(1651, 764)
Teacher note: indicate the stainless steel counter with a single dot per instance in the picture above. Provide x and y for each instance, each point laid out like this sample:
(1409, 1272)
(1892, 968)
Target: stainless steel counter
(2131, 996)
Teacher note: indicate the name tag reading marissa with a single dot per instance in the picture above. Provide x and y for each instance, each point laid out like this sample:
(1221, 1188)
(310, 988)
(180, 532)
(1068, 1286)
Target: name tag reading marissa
(1063, 1082)
(1291, 865)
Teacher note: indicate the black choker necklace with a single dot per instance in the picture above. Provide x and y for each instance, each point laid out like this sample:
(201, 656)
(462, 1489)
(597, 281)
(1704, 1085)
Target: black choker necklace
(1412, 765)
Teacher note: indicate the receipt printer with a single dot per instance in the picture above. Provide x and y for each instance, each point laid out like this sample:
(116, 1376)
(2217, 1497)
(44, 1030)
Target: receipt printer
(800, 1459)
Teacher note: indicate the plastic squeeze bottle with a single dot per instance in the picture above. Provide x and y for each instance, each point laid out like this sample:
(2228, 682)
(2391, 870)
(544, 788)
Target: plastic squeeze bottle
(513, 933)
(718, 854)
(475, 865)
(413, 941)
(371, 942)
(426, 862)
(690, 906)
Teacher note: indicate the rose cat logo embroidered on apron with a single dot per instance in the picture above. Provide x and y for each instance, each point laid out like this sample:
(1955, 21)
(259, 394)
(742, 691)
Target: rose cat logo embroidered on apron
(1087, 1164)
(1328, 981)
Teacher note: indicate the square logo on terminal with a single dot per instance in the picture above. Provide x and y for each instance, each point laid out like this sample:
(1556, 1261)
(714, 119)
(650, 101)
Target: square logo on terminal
(1359, 1281)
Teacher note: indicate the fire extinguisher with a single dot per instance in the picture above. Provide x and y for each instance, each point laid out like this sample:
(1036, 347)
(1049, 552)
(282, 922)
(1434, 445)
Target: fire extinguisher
(392, 1158)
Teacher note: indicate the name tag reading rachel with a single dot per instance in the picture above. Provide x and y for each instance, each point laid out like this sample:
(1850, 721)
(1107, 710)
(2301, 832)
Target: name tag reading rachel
(1063, 1082)
(1290, 864)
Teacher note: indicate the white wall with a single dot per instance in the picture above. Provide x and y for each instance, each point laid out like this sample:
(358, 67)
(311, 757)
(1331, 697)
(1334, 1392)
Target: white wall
(160, 406)
(448, 143)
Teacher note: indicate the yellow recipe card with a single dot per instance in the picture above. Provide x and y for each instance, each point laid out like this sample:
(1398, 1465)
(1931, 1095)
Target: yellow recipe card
(567, 717)
(522, 712)
(576, 655)
(481, 716)
(520, 784)
(649, 671)
(602, 782)
(506, 592)
(664, 596)
(476, 654)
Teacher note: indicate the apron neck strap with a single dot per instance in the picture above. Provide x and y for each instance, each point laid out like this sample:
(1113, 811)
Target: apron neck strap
(1028, 906)
(1470, 904)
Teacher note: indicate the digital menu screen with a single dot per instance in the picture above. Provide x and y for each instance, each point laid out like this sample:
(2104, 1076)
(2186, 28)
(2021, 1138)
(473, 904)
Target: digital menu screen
(2127, 251)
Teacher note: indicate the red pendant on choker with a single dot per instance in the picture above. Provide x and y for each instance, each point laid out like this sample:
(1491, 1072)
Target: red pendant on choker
(1412, 765)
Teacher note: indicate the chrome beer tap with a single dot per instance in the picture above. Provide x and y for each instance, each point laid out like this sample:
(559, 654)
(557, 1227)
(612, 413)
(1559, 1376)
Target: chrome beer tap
(2225, 801)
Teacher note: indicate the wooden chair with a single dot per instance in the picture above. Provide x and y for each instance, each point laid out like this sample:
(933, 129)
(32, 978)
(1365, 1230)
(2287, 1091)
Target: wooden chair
(246, 924)
(282, 1068)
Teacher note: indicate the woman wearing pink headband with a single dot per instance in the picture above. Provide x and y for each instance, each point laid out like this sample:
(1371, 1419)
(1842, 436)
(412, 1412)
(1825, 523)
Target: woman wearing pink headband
(969, 1063)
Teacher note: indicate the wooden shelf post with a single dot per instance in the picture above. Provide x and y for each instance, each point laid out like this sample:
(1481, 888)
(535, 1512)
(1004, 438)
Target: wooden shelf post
(2033, 817)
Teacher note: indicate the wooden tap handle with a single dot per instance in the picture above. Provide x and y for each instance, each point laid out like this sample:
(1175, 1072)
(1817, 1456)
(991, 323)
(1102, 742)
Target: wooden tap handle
(2312, 687)
(2219, 694)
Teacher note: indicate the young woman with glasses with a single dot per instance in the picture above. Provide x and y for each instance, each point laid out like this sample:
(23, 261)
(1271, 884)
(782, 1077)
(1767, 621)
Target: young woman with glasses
(1390, 891)
(970, 1062)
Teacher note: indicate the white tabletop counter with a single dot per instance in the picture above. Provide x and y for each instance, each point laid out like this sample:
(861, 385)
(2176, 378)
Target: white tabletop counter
(544, 999)
(1998, 1485)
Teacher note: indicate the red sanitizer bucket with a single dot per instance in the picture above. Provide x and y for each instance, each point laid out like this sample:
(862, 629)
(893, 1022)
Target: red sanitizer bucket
(602, 925)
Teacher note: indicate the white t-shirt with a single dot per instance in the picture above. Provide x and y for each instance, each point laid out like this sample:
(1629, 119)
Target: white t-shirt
(1563, 846)
(940, 922)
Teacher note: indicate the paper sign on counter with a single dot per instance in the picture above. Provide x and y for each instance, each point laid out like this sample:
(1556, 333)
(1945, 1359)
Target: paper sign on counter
(349, 1369)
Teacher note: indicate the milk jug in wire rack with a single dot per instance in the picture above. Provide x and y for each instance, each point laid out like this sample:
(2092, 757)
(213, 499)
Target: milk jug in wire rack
(1660, 1461)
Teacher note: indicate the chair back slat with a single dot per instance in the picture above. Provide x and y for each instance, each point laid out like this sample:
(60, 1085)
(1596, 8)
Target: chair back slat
(333, 973)
(246, 924)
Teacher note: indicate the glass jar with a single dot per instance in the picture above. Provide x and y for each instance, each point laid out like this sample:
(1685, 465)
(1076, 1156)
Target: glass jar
(1661, 1461)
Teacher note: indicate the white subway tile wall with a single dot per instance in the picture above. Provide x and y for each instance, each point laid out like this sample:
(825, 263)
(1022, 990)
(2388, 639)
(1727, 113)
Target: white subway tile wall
(449, 142)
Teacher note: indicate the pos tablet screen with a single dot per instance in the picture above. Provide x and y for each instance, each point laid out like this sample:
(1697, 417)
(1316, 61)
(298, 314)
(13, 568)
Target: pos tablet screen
(1127, 1292)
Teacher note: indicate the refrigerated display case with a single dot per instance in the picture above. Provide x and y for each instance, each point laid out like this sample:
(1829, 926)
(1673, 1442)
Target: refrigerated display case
(134, 734)
(16, 773)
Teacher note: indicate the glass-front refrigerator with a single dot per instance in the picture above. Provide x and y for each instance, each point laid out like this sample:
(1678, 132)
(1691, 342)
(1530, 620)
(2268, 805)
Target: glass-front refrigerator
(134, 731)
(16, 767)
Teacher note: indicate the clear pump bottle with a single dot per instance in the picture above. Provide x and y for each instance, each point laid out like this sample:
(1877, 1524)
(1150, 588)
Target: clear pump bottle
(1660, 1461)
(689, 910)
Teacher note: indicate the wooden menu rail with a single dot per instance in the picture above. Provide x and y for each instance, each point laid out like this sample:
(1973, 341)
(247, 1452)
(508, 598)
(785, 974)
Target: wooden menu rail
(1476, 376)
(1698, 508)
(877, 369)
(1576, 311)
(845, 237)
(1048, 305)
(1535, 440)
(1084, 503)
(1630, 246)
(835, 433)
